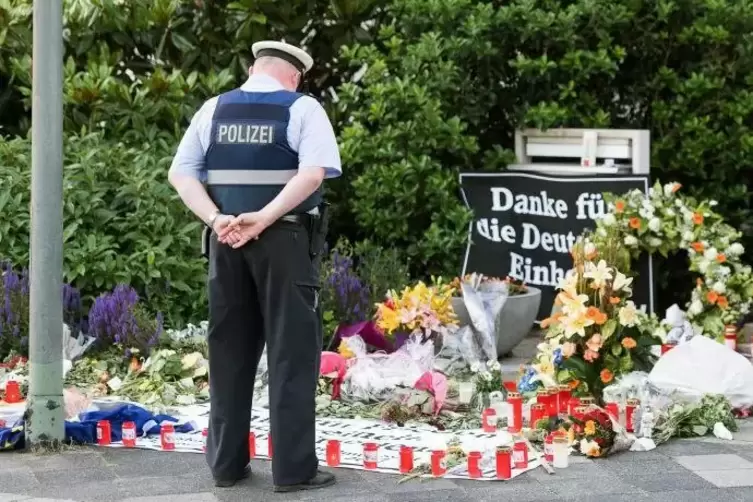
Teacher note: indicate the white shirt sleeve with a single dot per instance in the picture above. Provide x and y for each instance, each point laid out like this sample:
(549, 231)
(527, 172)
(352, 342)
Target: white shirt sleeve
(190, 158)
(317, 144)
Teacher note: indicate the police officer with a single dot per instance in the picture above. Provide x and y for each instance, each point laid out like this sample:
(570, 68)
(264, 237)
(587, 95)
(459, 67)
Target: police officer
(251, 165)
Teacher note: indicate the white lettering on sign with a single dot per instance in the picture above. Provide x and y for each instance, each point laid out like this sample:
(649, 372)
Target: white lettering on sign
(245, 134)
(535, 205)
(523, 269)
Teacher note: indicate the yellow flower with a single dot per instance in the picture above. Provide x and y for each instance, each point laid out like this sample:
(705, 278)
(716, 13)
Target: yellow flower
(344, 350)
(589, 428)
(576, 324)
(572, 304)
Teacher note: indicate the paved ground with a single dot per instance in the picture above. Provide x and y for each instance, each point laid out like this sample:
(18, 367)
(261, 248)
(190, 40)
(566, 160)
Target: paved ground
(681, 470)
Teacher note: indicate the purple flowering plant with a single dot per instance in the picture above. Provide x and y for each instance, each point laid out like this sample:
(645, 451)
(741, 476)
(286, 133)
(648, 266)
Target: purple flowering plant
(344, 292)
(117, 318)
(14, 310)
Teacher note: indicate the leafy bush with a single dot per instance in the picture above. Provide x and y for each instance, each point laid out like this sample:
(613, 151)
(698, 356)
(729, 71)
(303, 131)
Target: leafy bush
(447, 83)
(123, 223)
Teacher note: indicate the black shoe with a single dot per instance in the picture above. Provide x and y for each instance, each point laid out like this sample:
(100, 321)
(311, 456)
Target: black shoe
(227, 483)
(321, 480)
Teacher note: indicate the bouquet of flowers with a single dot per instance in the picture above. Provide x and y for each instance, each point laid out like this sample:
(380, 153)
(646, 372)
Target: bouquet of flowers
(419, 309)
(593, 435)
(597, 333)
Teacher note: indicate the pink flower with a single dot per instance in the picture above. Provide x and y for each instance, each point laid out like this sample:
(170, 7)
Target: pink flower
(594, 343)
(568, 349)
(591, 355)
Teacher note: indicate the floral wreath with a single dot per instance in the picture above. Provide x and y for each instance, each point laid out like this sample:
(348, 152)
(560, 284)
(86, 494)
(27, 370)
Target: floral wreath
(665, 221)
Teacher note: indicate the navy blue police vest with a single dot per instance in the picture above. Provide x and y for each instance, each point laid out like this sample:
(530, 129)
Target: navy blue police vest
(249, 159)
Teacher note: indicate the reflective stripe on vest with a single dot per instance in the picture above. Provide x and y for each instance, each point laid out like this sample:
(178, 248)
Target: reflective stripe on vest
(249, 177)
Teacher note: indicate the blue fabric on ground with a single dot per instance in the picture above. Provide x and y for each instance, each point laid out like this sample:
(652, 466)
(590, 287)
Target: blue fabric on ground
(85, 431)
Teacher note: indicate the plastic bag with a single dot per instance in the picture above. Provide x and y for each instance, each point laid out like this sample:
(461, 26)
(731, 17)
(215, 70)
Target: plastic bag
(681, 330)
(703, 366)
(484, 302)
(374, 377)
(460, 350)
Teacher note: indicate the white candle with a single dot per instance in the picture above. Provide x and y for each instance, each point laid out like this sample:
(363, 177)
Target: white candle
(561, 453)
(465, 392)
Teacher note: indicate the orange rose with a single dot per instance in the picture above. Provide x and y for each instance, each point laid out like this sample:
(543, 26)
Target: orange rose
(721, 258)
(574, 384)
(635, 223)
(619, 206)
(596, 315)
(606, 375)
(676, 187)
(712, 297)
(628, 343)
(697, 218)
(614, 300)
(551, 320)
(697, 247)
(722, 302)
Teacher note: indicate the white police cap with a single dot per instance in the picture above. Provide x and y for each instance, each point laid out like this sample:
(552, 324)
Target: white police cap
(290, 53)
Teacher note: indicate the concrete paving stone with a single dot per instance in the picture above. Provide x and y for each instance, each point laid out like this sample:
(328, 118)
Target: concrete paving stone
(11, 460)
(668, 482)
(129, 467)
(741, 494)
(602, 485)
(102, 491)
(611, 497)
(186, 497)
(713, 462)
(48, 500)
(75, 459)
(18, 480)
(517, 490)
(431, 496)
(10, 497)
(389, 483)
(684, 447)
(627, 469)
(163, 485)
(66, 476)
(574, 471)
(635, 456)
(715, 495)
(728, 478)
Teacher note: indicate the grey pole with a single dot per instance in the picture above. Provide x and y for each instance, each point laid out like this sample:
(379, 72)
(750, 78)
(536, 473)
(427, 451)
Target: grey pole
(45, 411)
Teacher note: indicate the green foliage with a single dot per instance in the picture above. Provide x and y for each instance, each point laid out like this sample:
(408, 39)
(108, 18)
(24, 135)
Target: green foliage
(448, 82)
(122, 223)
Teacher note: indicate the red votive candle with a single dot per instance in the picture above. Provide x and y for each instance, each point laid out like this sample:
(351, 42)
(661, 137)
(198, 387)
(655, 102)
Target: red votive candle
(549, 448)
(553, 404)
(538, 412)
(666, 347)
(489, 420)
(504, 463)
(474, 464)
(370, 455)
(104, 433)
(167, 437)
(613, 409)
(406, 459)
(520, 455)
(510, 386)
(333, 453)
(438, 463)
(251, 445)
(13, 392)
(128, 434)
(563, 399)
(629, 410)
(515, 401)
(571, 405)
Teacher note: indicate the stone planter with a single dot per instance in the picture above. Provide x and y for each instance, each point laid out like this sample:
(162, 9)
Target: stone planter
(514, 321)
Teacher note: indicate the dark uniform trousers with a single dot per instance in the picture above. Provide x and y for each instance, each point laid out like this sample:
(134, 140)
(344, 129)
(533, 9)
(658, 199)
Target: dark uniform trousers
(265, 292)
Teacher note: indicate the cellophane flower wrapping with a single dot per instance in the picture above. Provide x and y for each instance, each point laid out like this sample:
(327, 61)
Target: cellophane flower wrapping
(374, 377)
(484, 302)
(460, 350)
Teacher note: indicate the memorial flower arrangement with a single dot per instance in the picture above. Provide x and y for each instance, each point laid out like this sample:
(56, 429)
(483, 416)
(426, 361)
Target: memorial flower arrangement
(664, 222)
(418, 309)
(597, 332)
(593, 434)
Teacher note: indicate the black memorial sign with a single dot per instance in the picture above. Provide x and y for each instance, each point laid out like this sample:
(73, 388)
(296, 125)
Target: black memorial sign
(525, 224)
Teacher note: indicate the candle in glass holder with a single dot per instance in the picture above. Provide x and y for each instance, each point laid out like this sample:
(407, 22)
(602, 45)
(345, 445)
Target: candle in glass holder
(613, 409)
(587, 401)
(571, 405)
(542, 397)
(515, 421)
(538, 412)
(520, 455)
(406, 459)
(730, 336)
(580, 412)
(474, 464)
(561, 451)
(552, 407)
(629, 410)
(104, 432)
(489, 420)
(549, 448)
(504, 463)
(563, 399)
(370, 455)
(251, 445)
(333, 453)
(465, 392)
(438, 463)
